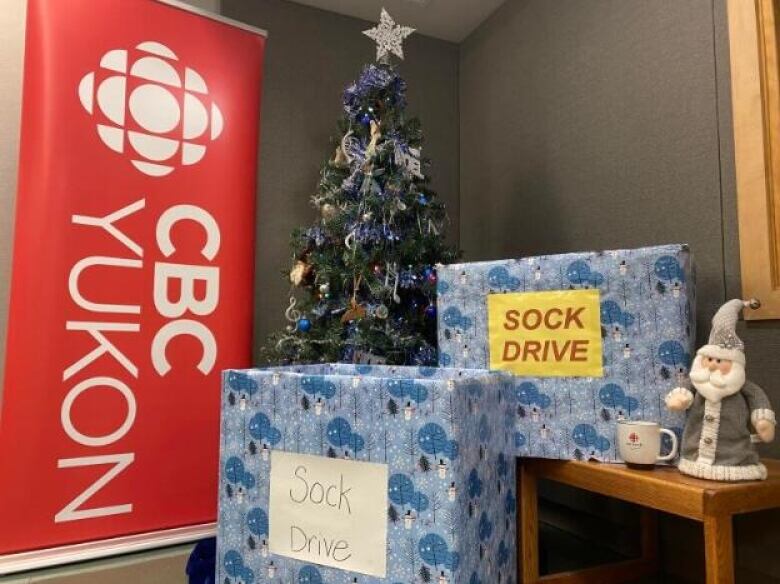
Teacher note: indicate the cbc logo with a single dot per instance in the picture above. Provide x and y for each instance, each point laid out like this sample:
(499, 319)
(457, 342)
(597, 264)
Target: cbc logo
(168, 125)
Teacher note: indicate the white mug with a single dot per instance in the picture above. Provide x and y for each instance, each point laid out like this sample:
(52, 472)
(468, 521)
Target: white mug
(639, 442)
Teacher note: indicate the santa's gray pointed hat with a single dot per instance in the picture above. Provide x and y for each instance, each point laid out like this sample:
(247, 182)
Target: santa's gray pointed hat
(724, 342)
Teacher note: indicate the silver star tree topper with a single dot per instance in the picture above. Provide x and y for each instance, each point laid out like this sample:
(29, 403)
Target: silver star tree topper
(388, 36)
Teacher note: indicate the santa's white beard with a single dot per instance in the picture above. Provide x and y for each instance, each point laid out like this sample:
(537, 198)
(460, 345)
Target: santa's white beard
(713, 385)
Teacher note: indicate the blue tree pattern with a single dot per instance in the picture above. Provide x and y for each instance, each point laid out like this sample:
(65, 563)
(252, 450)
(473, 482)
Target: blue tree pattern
(579, 273)
(672, 353)
(260, 428)
(453, 318)
(433, 440)
(235, 567)
(401, 492)
(613, 396)
(309, 575)
(241, 383)
(340, 434)
(316, 385)
(407, 389)
(257, 521)
(668, 268)
(499, 279)
(485, 527)
(237, 474)
(528, 394)
(435, 552)
(612, 315)
(474, 484)
(586, 436)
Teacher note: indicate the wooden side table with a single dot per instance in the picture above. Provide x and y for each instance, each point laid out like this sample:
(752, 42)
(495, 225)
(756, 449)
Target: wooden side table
(661, 489)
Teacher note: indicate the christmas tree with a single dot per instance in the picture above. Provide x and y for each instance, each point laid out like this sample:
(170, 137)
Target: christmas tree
(363, 276)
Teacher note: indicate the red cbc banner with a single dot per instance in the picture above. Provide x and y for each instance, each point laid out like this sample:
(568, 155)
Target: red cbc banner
(132, 270)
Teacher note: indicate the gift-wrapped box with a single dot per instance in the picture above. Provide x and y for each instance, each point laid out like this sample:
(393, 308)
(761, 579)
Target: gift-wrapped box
(575, 378)
(443, 435)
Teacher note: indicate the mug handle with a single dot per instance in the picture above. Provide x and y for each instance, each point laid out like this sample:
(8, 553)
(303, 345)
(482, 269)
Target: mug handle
(673, 452)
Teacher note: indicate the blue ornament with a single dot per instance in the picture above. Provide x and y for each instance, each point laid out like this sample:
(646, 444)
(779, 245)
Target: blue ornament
(365, 118)
(304, 325)
(202, 561)
(348, 353)
(422, 199)
(430, 311)
(427, 272)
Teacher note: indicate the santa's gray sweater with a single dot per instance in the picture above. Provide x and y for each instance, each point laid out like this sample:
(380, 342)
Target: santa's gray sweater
(717, 440)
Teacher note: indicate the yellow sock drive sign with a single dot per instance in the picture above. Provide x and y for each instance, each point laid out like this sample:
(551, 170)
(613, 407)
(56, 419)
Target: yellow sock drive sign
(546, 334)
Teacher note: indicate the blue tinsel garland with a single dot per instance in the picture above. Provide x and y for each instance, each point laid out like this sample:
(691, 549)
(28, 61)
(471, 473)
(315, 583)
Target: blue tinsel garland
(374, 79)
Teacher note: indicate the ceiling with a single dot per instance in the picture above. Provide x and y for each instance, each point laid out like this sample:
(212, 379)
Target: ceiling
(451, 20)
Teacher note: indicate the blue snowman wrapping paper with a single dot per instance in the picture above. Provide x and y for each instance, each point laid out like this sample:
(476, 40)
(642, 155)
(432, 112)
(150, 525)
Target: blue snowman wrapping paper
(646, 308)
(445, 434)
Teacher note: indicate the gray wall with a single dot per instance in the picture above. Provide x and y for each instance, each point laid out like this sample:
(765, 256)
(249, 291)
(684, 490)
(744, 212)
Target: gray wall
(607, 124)
(12, 15)
(311, 57)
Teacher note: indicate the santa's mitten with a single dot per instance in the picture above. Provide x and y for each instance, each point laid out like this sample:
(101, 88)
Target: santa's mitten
(764, 422)
(679, 399)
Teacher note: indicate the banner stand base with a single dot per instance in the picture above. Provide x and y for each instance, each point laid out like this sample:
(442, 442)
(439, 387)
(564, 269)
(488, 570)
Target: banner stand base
(69, 554)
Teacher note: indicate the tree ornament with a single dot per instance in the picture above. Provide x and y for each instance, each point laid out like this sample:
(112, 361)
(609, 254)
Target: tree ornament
(349, 240)
(409, 160)
(292, 314)
(432, 277)
(354, 312)
(324, 288)
(299, 272)
(422, 199)
(427, 271)
(304, 325)
(430, 311)
(375, 136)
(340, 158)
(381, 311)
(328, 211)
(388, 36)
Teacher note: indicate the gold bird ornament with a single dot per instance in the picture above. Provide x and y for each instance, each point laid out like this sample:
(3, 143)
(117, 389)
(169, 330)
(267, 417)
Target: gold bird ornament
(355, 312)
(340, 159)
(376, 134)
(299, 272)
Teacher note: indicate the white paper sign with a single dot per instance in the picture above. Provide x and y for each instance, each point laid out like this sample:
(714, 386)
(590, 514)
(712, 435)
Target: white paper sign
(329, 511)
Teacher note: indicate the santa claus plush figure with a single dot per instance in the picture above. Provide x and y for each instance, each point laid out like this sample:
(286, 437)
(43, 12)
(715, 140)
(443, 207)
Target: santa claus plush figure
(724, 408)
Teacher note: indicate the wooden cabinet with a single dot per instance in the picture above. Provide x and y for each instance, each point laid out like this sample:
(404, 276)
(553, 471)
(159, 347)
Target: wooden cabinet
(755, 88)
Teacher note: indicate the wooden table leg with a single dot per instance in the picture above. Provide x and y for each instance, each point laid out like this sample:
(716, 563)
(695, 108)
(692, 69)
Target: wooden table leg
(719, 549)
(528, 524)
(649, 526)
